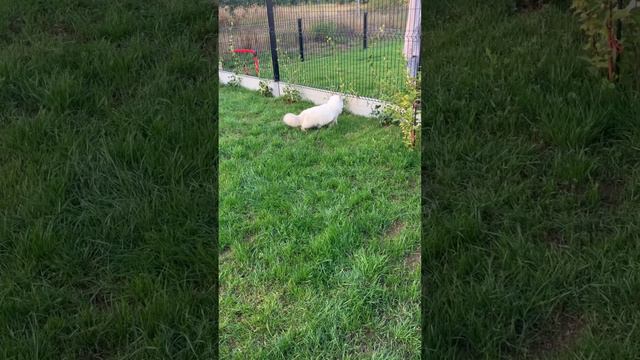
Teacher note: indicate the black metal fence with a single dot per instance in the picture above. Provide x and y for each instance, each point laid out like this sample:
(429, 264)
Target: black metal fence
(351, 46)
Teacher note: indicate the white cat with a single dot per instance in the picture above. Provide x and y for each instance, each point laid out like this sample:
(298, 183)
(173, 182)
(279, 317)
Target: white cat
(317, 116)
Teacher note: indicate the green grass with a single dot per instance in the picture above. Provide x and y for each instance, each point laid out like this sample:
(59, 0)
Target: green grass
(318, 236)
(377, 72)
(531, 242)
(107, 202)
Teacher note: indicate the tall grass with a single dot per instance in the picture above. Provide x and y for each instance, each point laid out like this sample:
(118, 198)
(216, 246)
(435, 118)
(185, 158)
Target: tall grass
(247, 26)
(107, 198)
(531, 234)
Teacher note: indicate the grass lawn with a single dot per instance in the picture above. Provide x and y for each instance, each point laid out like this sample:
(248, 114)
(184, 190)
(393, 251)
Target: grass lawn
(375, 72)
(107, 202)
(318, 235)
(531, 240)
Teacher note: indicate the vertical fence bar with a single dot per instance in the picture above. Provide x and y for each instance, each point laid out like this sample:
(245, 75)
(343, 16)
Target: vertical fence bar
(619, 38)
(272, 41)
(364, 28)
(300, 39)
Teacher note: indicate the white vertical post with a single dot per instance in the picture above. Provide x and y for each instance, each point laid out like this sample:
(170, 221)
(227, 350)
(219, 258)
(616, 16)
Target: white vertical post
(412, 37)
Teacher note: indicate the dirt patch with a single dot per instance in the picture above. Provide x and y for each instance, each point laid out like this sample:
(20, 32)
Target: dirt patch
(563, 332)
(225, 253)
(413, 181)
(394, 229)
(554, 237)
(610, 192)
(250, 238)
(365, 343)
(413, 260)
(369, 334)
(540, 145)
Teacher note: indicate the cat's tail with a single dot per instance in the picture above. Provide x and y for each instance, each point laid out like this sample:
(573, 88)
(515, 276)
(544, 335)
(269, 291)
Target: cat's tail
(292, 120)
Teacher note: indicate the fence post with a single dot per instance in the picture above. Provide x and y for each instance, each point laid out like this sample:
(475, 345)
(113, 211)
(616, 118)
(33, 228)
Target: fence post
(364, 39)
(619, 38)
(272, 41)
(300, 39)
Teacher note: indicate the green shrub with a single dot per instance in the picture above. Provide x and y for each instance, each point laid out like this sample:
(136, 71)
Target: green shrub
(264, 89)
(291, 95)
(234, 81)
(402, 110)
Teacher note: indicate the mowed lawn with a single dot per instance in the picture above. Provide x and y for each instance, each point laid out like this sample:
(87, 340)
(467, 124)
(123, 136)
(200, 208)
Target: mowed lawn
(532, 224)
(319, 236)
(107, 196)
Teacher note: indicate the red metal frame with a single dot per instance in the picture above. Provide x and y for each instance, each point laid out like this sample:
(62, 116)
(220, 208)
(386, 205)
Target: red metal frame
(256, 62)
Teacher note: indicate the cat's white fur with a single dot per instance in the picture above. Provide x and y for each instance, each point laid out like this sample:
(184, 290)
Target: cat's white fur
(317, 116)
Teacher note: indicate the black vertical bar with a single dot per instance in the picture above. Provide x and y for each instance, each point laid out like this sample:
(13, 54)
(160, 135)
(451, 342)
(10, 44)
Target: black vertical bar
(300, 39)
(272, 41)
(619, 38)
(364, 39)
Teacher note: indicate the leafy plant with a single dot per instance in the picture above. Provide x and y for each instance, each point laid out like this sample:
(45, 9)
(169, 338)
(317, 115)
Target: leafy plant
(264, 89)
(403, 105)
(600, 20)
(235, 61)
(291, 94)
(384, 116)
(403, 109)
(234, 81)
